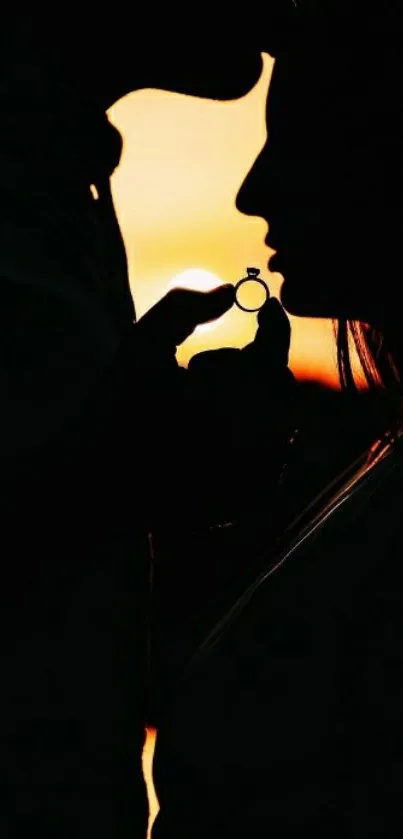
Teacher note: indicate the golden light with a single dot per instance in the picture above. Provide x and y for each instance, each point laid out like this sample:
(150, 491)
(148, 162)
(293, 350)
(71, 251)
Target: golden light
(184, 160)
(148, 754)
(200, 280)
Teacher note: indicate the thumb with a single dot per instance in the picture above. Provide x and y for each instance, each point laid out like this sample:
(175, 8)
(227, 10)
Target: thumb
(177, 314)
(273, 335)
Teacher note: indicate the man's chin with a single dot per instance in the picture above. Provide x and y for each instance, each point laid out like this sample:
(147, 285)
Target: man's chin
(223, 76)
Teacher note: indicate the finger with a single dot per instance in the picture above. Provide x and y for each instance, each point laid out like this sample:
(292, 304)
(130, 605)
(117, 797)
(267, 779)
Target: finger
(272, 340)
(176, 316)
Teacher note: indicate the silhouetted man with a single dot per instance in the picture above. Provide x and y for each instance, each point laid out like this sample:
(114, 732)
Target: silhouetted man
(89, 441)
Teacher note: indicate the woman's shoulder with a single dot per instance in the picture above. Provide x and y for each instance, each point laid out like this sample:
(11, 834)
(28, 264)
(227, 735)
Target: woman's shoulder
(349, 550)
(365, 497)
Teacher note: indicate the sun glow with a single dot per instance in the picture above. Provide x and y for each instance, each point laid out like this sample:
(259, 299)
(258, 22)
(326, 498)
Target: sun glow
(200, 280)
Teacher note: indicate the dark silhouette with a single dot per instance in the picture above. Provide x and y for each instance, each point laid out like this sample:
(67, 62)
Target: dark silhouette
(101, 432)
(289, 711)
(198, 571)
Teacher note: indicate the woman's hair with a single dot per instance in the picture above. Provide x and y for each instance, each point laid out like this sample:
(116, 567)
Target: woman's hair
(377, 362)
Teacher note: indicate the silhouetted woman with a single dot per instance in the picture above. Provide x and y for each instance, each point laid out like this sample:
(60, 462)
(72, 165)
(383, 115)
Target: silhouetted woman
(288, 720)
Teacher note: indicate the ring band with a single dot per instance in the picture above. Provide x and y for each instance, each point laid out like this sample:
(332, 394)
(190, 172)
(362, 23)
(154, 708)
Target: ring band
(251, 280)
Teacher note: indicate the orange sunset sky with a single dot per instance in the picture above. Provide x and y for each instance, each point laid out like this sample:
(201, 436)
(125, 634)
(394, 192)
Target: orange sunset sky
(183, 162)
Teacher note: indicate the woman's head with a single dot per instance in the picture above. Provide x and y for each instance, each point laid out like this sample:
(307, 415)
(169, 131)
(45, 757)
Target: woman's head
(330, 179)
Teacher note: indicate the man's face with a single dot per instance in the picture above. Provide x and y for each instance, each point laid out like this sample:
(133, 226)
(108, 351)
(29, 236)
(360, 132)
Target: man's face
(213, 69)
(164, 51)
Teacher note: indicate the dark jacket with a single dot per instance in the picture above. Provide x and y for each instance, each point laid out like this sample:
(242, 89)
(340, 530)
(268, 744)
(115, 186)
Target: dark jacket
(74, 567)
(291, 709)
